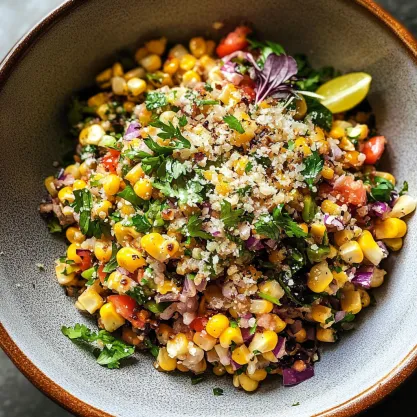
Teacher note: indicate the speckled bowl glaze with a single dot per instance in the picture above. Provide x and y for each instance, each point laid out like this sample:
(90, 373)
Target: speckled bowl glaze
(61, 55)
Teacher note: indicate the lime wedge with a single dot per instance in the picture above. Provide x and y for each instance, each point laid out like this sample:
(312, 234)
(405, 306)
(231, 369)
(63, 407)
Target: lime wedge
(345, 92)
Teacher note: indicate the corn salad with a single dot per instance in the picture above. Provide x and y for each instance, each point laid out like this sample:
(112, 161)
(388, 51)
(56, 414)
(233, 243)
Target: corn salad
(219, 216)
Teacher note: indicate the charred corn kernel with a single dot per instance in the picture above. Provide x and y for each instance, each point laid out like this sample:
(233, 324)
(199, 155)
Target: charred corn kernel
(271, 288)
(171, 66)
(181, 367)
(301, 336)
(122, 232)
(351, 301)
(317, 231)
(97, 100)
(73, 170)
(247, 383)
(327, 173)
(223, 188)
(258, 375)
(229, 95)
(111, 184)
(178, 345)
(190, 78)
(403, 206)
(390, 228)
(337, 132)
(346, 144)
(198, 47)
(365, 298)
(50, 186)
(340, 277)
(118, 282)
(229, 335)
(300, 144)
(137, 72)
(330, 207)
(103, 250)
(353, 158)
(219, 370)
(165, 362)
(370, 248)
(395, 244)
(102, 208)
(151, 63)
(72, 253)
(320, 313)
(63, 275)
(217, 324)
(325, 335)
(74, 235)
(65, 194)
(119, 86)
(143, 188)
(91, 135)
(79, 185)
(241, 355)
(264, 342)
(159, 247)
(90, 300)
(136, 86)
(260, 306)
(130, 259)
(163, 333)
(204, 340)
(351, 252)
(156, 46)
(319, 277)
(135, 174)
(104, 76)
(386, 175)
(276, 256)
(210, 45)
(343, 236)
(110, 318)
(141, 53)
(269, 356)
(187, 62)
(377, 278)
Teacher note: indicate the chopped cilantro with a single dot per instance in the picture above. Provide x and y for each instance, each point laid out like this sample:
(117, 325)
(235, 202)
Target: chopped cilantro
(296, 404)
(318, 114)
(208, 87)
(182, 121)
(404, 189)
(217, 391)
(313, 166)
(152, 348)
(129, 195)
(265, 48)
(112, 264)
(54, 226)
(139, 222)
(244, 190)
(196, 379)
(138, 294)
(381, 191)
(169, 131)
(252, 330)
(193, 228)
(234, 324)
(248, 167)
(230, 217)
(234, 123)
(348, 318)
(155, 99)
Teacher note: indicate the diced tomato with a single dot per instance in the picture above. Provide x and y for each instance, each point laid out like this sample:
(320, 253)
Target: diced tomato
(128, 308)
(234, 41)
(248, 92)
(110, 160)
(86, 259)
(199, 324)
(373, 149)
(347, 190)
(101, 275)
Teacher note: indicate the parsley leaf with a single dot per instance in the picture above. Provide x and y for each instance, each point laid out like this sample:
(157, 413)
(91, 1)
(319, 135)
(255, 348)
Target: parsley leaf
(171, 169)
(182, 121)
(112, 264)
(229, 216)
(140, 222)
(381, 191)
(208, 87)
(129, 195)
(313, 166)
(319, 114)
(234, 123)
(137, 294)
(169, 131)
(155, 99)
(193, 228)
(404, 189)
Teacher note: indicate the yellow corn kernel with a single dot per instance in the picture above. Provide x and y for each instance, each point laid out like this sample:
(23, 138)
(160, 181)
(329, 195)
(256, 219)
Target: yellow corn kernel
(219, 370)
(229, 335)
(247, 383)
(343, 236)
(217, 324)
(264, 342)
(223, 188)
(151, 63)
(301, 336)
(241, 355)
(159, 247)
(325, 335)
(73, 170)
(377, 278)
(317, 231)
(370, 248)
(271, 288)
(84, 168)
(190, 78)
(91, 135)
(330, 207)
(260, 306)
(165, 362)
(137, 72)
(351, 252)
(207, 63)
(135, 174)
(240, 139)
(386, 175)
(365, 298)
(156, 46)
(91, 300)
(119, 86)
(327, 173)
(117, 69)
(101, 209)
(303, 227)
(395, 244)
(104, 76)
(229, 95)
(403, 206)
(300, 144)
(163, 333)
(390, 228)
(187, 62)
(97, 100)
(341, 278)
(79, 185)
(258, 375)
(279, 324)
(332, 253)
(181, 367)
(178, 345)
(337, 132)
(171, 66)
(204, 340)
(276, 256)
(72, 253)
(319, 277)
(320, 313)
(111, 184)
(127, 210)
(351, 301)
(110, 318)
(141, 53)
(136, 86)
(65, 194)
(269, 356)
(130, 259)
(74, 235)
(241, 165)
(103, 250)
(63, 274)
(122, 232)
(198, 47)
(346, 144)
(50, 186)
(235, 381)
(352, 158)
(143, 188)
(114, 282)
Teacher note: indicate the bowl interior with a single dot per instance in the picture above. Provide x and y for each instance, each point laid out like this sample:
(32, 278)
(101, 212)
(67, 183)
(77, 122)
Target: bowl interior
(33, 131)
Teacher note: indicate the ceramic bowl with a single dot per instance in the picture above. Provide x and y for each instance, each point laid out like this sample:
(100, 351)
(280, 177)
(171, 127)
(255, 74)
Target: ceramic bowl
(61, 55)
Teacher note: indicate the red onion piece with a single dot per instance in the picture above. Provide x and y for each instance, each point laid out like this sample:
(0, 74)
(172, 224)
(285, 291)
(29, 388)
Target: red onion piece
(132, 131)
(202, 286)
(124, 271)
(380, 209)
(247, 337)
(340, 315)
(254, 244)
(292, 377)
(279, 350)
(363, 277)
(163, 298)
(188, 290)
(235, 365)
(332, 221)
(168, 312)
(310, 333)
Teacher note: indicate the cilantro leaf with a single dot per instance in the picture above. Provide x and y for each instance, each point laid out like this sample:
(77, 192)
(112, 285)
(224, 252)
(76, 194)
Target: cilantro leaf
(313, 166)
(137, 294)
(112, 264)
(54, 226)
(129, 195)
(319, 114)
(169, 131)
(381, 191)
(155, 99)
(404, 189)
(266, 48)
(171, 169)
(208, 87)
(182, 121)
(234, 123)
(193, 228)
(217, 391)
(140, 222)
(229, 216)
